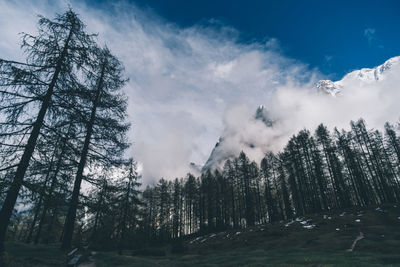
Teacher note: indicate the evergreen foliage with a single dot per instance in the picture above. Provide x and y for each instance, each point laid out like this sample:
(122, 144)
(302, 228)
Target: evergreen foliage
(313, 173)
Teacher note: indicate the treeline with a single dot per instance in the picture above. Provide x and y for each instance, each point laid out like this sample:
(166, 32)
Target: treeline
(313, 173)
(62, 124)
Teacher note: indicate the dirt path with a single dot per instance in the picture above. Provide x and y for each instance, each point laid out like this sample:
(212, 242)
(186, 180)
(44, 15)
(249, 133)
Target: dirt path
(359, 237)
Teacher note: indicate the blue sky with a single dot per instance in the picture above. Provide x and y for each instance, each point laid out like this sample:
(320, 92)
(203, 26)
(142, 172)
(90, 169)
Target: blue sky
(334, 36)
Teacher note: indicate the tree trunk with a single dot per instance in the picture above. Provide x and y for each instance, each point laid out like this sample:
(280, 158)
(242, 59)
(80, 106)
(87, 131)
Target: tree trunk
(12, 194)
(32, 227)
(48, 197)
(70, 219)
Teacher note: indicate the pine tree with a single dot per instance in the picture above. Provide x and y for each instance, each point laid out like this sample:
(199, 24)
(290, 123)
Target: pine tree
(129, 203)
(177, 209)
(52, 56)
(190, 194)
(105, 124)
(229, 174)
(266, 168)
(246, 181)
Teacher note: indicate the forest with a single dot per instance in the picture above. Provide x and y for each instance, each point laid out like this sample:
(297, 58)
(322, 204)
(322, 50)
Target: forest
(64, 176)
(313, 173)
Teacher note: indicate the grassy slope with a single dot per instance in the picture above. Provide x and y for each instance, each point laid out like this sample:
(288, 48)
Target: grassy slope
(21, 254)
(292, 245)
(266, 245)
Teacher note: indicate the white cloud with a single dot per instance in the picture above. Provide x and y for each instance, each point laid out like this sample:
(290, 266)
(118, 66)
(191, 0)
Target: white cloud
(188, 85)
(273, 44)
(181, 80)
(369, 33)
(295, 107)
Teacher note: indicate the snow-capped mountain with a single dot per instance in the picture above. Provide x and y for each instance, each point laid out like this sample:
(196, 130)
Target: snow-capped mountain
(219, 155)
(329, 87)
(366, 76)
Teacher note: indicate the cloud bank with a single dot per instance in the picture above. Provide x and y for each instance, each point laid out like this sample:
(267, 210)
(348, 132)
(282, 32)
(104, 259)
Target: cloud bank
(189, 85)
(372, 94)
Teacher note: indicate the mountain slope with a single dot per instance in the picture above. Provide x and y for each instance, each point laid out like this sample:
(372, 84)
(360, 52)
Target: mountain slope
(289, 243)
(364, 76)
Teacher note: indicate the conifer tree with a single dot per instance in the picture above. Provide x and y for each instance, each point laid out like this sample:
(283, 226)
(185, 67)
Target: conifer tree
(105, 138)
(59, 49)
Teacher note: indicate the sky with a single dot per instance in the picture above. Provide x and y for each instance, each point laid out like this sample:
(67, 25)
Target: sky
(334, 36)
(198, 70)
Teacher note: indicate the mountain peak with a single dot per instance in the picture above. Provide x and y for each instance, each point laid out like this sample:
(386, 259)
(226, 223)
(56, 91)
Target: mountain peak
(364, 75)
(373, 74)
(329, 87)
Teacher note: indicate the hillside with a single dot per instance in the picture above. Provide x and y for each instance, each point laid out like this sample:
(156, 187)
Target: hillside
(326, 232)
(318, 240)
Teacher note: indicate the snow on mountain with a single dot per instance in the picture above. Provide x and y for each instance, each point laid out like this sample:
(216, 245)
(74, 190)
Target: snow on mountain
(365, 76)
(329, 87)
(368, 75)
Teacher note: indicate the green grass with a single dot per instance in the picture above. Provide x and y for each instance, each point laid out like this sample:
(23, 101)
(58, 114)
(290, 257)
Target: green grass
(277, 245)
(28, 255)
(267, 245)
(260, 257)
(21, 254)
